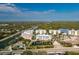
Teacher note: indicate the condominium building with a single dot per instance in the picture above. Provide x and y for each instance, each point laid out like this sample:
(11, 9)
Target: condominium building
(54, 32)
(40, 31)
(27, 34)
(43, 37)
(29, 31)
(72, 32)
(77, 32)
(64, 30)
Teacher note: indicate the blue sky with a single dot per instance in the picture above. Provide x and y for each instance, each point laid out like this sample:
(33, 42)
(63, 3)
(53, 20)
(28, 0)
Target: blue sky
(39, 12)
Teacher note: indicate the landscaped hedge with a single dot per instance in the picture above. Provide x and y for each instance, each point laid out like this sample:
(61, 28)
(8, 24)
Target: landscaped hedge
(40, 46)
(42, 43)
(71, 53)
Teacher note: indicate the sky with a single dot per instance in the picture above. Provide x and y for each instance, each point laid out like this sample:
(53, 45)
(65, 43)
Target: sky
(39, 12)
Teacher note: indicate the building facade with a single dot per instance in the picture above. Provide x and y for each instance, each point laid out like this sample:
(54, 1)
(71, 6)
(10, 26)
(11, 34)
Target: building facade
(54, 32)
(72, 32)
(40, 31)
(43, 37)
(27, 34)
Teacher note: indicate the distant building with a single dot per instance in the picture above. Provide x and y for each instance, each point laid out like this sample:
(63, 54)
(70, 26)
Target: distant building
(77, 32)
(40, 31)
(64, 33)
(64, 30)
(43, 37)
(29, 31)
(72, 32)
(54, 32)
(27, 34)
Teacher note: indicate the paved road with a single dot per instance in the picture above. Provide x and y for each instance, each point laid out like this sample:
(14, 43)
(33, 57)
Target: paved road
(57, 49)
(16, 34)
(10, 36)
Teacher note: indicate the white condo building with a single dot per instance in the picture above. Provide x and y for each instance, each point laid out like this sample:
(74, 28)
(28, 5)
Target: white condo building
(42, 34)
(27, 34)
(40, 31)
(72, 32)
(77, 32)
(54, 31)
(43, 37)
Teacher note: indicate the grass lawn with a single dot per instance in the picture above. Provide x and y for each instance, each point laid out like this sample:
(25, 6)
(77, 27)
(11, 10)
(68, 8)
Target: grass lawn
(72, 53)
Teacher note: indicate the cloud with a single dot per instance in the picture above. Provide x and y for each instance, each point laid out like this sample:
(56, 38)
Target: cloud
(9, 8)
(53, 16)
(39, 12)
(12, 13)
